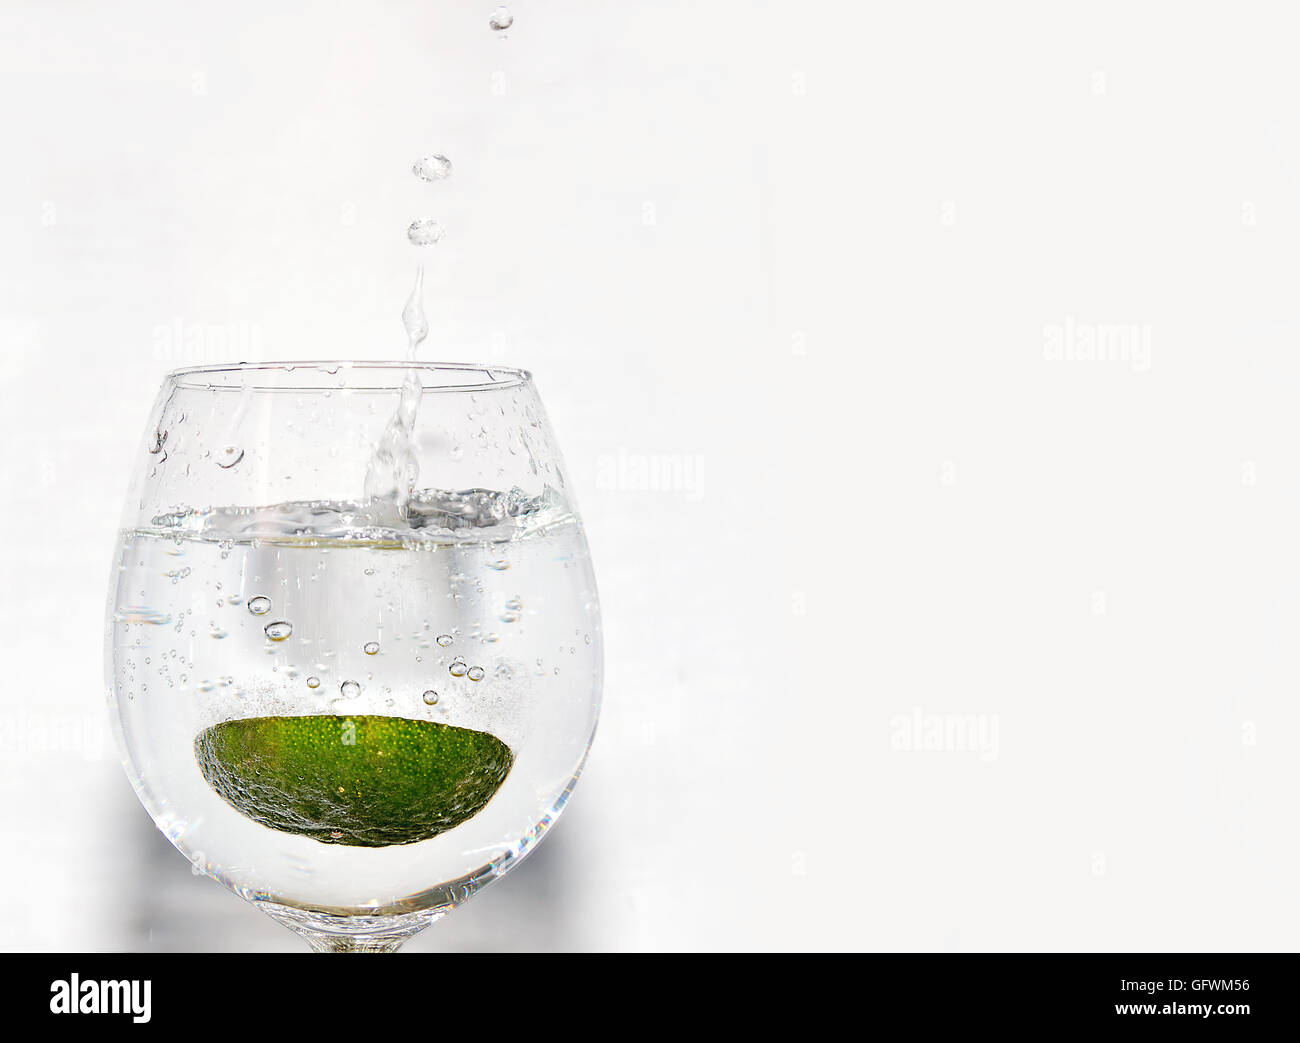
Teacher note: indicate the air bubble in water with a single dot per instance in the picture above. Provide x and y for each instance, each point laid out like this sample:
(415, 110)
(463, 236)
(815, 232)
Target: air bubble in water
(137, 614)
(501, 19)
(229, 456)
(432, 168)
(371, 648)
(444, 640)
(430, 698)
(313, 682)
(458, 668)
(425, 232)
(217, 632)
(514, 604)
(500, 564)
(278, 631)
(509, 617)
(349, 689)
(259, 605)
(476, 673)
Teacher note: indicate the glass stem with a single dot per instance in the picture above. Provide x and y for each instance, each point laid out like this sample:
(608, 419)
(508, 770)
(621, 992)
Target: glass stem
(324, 942)
(331, 932)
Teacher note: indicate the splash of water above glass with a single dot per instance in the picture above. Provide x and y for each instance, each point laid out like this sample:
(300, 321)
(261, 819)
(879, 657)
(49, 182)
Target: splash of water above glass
(394, 469)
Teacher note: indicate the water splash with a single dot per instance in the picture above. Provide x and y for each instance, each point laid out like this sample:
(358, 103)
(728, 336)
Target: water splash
(393, 469)
(432, 168)
(425, 232)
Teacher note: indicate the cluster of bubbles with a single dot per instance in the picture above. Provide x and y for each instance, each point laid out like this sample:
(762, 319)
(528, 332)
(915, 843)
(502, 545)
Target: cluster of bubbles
(459, 668)
(281, 630)
(260, 606)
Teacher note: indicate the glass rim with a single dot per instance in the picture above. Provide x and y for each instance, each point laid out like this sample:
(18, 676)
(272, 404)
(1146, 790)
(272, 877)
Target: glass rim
(498, 377)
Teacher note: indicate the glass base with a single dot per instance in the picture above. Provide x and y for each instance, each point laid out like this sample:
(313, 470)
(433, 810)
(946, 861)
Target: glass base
(329, 932)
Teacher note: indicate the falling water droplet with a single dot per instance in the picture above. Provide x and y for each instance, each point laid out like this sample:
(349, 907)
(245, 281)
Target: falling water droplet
(371, 648)
(349, 689)
(229, 456)
(430, 698)
(432, 168)
(501, 19)
(313, 682)
(475, 673)
(259, 605)
(425, 232)
(278, 631)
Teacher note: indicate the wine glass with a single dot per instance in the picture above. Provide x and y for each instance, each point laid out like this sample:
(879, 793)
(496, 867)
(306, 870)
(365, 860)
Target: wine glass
(354, 648)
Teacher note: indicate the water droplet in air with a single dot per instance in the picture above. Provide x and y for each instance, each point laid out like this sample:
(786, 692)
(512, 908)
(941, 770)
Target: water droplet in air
(432, 168)
(430, 698)
(501, 19)
(259, 605)
(349, 689)
(371, 648)
(313, 682)
(458, 668)
(278, 631)
(425, 232)
(229, 456)
(476, 673)
(444, 640)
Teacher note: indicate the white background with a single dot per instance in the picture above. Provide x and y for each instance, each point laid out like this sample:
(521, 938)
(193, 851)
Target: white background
(946, 634)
